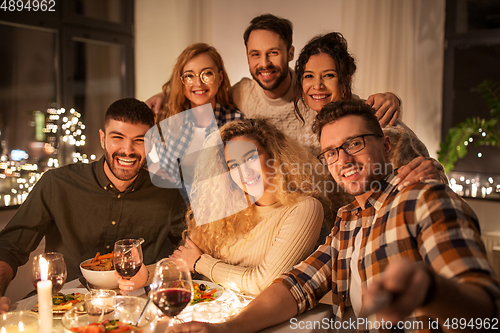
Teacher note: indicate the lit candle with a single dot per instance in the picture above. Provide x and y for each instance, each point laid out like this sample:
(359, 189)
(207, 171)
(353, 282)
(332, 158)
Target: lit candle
(18, 328)
(44, 289)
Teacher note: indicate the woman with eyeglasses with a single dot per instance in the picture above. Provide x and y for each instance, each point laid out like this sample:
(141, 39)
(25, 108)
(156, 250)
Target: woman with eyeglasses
(255, 208)
(324, 71)
(198, 83)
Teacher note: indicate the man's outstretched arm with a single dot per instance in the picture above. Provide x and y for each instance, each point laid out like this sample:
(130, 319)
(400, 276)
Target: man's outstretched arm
(273, 306)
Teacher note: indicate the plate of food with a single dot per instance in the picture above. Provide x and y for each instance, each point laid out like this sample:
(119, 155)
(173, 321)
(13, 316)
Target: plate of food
(205, 291)
(107, 326)
(61, 302)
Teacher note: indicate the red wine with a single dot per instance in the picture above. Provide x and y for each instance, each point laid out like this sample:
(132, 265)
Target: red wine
(171, 301)
(127, 269)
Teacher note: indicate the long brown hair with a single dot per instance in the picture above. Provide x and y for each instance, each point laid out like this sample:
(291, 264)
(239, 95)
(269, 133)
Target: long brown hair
(173, 89)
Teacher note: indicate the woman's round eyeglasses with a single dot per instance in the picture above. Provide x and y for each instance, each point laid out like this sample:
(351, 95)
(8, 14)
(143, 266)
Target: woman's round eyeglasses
(189, 78)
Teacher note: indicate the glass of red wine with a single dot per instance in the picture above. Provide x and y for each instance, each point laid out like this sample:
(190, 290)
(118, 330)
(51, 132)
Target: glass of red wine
(127, 257)
(172, 288)
(56, 270)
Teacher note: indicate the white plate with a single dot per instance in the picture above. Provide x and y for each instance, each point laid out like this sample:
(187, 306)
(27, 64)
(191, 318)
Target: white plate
(31, 302)
(211, 286)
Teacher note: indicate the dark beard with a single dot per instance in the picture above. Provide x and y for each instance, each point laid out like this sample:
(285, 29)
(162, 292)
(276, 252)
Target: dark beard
(124, 176)
(279, 80)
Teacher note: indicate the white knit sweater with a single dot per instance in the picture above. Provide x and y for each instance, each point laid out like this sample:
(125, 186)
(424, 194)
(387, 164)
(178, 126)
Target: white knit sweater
(250, 99)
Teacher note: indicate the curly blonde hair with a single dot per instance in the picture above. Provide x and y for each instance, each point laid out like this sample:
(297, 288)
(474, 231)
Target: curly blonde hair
(214, 190)
(173, 89)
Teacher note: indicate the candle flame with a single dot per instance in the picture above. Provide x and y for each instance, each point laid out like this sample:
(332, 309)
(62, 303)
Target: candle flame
(44, 269)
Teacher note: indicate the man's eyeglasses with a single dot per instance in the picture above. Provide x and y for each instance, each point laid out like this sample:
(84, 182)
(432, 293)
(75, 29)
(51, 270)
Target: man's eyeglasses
(350, 147)
(207, 76)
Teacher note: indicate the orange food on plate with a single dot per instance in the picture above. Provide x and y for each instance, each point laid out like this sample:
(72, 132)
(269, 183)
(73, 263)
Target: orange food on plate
(108, 326)
(63, 302)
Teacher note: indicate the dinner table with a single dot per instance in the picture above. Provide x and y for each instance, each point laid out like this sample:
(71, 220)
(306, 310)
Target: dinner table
(228, 300)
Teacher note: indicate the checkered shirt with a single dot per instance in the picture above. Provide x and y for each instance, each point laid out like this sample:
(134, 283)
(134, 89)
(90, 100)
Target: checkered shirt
(175, 146)
(424, 222)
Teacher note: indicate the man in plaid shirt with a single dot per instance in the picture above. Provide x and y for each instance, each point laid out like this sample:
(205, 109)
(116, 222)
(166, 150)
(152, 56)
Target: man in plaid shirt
(396, 257)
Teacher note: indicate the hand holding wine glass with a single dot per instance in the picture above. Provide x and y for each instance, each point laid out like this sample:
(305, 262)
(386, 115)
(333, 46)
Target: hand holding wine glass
(56, 270)
(127, 257)
(172, 288)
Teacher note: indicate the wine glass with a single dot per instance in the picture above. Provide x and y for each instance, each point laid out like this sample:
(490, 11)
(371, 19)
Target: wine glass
(127, 257)
(56, 270)
(172, 288)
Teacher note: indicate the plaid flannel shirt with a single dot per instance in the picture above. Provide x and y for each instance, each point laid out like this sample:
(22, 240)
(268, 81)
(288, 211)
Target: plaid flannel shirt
(175, 146)
(424, 222)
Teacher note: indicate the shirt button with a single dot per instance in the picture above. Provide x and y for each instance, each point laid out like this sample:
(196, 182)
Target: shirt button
(107, 246)
(111, 185)
(105, 188)
(113, 223)
(119, 196)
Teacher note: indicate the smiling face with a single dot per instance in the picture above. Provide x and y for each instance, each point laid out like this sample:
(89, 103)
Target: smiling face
(268, 58)
(123, 145)
(356, 173)
(200, 93)
(320, 84)
(246, 161)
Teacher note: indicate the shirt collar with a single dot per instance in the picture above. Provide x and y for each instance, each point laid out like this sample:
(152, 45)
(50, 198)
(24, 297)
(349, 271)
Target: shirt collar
(102, 179)
(384, 188)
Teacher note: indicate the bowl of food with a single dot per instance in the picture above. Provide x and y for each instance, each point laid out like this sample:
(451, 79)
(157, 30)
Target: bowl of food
(120, 314)
(99, 271)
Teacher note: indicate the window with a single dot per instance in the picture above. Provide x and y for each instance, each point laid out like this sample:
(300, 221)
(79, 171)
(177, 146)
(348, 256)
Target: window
(78, 56)
(472, 56)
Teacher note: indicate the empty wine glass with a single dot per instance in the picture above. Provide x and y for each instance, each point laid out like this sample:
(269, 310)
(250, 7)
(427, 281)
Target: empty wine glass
(56, 270)
(127, 257)
(172, 288)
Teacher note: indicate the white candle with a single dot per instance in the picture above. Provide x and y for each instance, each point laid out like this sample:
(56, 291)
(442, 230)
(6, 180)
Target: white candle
(44, 289)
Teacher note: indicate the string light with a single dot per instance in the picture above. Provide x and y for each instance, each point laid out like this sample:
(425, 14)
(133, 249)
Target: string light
(61, 127)
(475, 185)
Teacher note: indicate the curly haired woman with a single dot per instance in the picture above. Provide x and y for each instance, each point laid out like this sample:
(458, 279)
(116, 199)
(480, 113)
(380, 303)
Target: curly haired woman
(255, 211)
